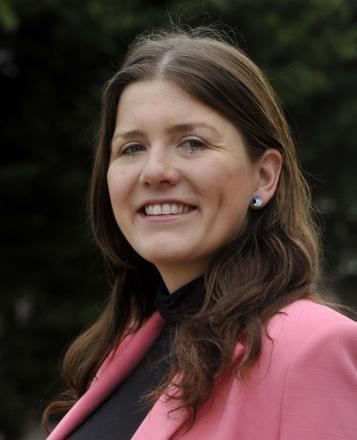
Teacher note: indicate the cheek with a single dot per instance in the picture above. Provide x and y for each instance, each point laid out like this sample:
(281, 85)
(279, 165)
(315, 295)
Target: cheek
(233, 194)
(112, 187)
(238, 186)
(231, 187)
(117, 188)
(118, 181)
(212, 176)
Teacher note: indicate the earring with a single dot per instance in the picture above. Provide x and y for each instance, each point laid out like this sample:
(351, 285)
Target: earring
(256, 202)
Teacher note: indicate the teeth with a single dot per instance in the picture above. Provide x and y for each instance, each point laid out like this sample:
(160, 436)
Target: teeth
(166, 209)
(156, 210)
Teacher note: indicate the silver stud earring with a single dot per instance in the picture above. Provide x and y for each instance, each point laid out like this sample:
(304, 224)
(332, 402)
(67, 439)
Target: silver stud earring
(256, 202)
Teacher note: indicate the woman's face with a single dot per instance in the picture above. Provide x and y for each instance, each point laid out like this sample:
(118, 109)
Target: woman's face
(179, 178)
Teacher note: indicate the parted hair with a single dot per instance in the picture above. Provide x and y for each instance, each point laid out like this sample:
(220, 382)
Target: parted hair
(273, 262)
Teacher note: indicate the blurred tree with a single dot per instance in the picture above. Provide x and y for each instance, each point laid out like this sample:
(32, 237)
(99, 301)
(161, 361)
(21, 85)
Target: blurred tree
(54, 58)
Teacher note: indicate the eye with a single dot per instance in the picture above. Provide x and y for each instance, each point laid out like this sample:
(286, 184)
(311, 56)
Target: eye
(193, 144)
(131, 149)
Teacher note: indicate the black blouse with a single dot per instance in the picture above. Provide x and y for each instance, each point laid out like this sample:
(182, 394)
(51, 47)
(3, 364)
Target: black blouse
(121, 414)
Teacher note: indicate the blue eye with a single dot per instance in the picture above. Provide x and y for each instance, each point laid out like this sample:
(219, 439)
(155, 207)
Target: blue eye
(193, 145)
(131, 149)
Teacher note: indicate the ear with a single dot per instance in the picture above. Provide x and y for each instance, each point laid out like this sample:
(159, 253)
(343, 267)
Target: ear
(268, 169)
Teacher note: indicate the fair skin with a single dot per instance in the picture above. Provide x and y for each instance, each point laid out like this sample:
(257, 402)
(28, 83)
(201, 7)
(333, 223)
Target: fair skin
(180, 180)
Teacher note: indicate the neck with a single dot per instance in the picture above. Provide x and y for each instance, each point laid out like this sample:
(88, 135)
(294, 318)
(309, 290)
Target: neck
(174, 279)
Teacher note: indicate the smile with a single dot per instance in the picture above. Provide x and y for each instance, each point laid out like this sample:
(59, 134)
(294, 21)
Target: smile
(167, 209)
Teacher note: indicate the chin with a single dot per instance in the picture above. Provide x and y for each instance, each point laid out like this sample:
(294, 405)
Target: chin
(164, 259)
(167, 257)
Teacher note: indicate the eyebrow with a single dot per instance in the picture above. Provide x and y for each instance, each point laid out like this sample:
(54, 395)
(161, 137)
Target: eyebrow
(179, 128)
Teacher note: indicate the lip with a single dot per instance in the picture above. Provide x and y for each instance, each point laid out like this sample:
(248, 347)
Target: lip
(163, 201)
(164, 218)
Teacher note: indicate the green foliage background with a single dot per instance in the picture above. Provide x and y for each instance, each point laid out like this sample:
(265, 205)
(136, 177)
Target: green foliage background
(54, 59)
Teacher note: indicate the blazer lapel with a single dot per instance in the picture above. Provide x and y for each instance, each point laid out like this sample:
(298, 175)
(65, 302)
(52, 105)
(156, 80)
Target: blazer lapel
(163, 424)
(160, 424)
(114, 370)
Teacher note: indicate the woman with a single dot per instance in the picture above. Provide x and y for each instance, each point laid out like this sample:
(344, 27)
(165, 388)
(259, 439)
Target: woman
(215, 328)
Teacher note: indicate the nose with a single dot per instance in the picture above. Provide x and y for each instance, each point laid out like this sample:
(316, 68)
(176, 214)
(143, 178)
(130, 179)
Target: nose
(159, 169)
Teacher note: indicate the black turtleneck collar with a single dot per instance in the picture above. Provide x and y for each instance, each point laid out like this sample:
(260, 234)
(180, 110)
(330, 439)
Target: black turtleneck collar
(182, 302)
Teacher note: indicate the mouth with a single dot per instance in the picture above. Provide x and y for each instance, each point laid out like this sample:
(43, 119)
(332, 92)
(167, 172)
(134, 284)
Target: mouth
(162, 209)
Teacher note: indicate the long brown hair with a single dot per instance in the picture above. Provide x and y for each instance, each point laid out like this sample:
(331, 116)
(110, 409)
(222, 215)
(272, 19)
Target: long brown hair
(274, 261)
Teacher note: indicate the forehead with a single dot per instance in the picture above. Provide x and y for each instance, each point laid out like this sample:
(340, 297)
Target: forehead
(146, 102)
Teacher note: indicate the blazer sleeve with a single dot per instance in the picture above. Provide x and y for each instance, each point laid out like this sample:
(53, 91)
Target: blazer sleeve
(320, 392)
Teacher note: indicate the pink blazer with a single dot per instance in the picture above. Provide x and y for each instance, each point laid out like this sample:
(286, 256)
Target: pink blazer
(304, 386)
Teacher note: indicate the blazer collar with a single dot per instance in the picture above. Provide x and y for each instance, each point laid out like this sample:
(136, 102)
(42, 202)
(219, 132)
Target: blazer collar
(113, 371)
(160, 423)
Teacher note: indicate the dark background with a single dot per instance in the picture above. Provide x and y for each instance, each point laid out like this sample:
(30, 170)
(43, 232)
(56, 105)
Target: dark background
(54, 59)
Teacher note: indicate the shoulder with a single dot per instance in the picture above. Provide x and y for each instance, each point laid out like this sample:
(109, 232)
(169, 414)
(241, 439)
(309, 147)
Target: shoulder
(307, 339)
(308, 368)
(314, 350)
(318, 341)
(312, 313)
(304, 321)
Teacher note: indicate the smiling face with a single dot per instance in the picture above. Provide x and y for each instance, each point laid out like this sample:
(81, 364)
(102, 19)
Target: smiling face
(180, 179)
